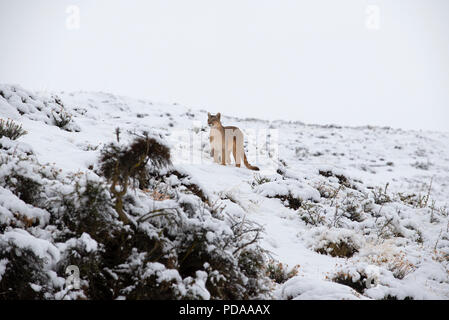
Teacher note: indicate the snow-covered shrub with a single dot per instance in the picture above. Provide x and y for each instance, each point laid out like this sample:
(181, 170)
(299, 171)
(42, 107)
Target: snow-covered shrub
(353, 209)
(381, 195)
(421, 165)
(179, 247)
(340, 177)
(357, 277)
(24, 187)
(376, 282)
(388, 256)
(337, 242)
(252, 263)
(23, 275)
(11, 130)
(27, 260)
(327, 191)
(416, 200)
(258, 180)
(20, 188)
(124, 164)
(291, 192)
(84, 206)
(185, 183)
(312, 213)
(61, 118)
(16, 101)
(280, 273)
(121, 162)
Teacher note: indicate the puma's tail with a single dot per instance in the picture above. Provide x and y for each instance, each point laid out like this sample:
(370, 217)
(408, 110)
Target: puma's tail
(250, 167)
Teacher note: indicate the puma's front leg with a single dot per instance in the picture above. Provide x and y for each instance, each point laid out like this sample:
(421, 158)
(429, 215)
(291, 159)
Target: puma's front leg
(223, 156)
(216, 157)
(213, 154)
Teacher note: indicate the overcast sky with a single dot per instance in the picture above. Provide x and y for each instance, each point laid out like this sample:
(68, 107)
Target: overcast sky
(348, 62)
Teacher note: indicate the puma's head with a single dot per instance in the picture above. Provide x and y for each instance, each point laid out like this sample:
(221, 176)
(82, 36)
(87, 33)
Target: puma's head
(213, 120)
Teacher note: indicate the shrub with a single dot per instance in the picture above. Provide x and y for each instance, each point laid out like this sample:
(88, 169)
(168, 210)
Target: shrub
(187, 251)
(336, 242)
(290, 201)
(25, 188)
(279, 273)
(23, 270)
(357, 282)
(61, 118)
(84, 208)
(342, 180)
(340, 249)
(121, 165)
(258, 180)
(381, 195)
(11, 130)
(311, 213)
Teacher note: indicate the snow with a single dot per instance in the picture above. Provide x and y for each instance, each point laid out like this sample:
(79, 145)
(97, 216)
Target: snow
(369, 157)
(41, 248)
(3, 263)
(8, 207)
(301, 288)
(85, 242)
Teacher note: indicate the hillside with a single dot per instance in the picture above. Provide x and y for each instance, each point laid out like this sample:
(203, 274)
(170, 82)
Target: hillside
(335, 212)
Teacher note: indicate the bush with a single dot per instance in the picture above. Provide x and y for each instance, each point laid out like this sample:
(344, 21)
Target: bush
(23, 270)
(84, 208)
(121, 165)
(187, 251)
(11, 130)
(336, 242)
(381, 195)
(358, 283)
(338, 249)
(61, 118)
(311, 213)
(25, 188)
(279, 273)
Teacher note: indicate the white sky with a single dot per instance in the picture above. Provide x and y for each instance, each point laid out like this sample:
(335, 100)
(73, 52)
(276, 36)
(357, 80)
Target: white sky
(314, 61)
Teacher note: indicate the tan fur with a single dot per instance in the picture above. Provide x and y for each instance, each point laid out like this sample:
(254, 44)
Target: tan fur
(224, 140)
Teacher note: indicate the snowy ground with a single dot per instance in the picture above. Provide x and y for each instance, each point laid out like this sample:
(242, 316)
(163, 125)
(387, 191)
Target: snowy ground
(339, 175)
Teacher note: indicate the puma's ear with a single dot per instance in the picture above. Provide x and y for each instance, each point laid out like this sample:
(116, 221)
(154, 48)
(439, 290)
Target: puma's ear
(208, 114)
(219, 115)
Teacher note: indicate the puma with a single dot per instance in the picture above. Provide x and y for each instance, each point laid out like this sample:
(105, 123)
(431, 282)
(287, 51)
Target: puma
(224, 140)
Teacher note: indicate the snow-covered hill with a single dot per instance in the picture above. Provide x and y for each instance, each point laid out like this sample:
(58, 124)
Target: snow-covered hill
(353, 213)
